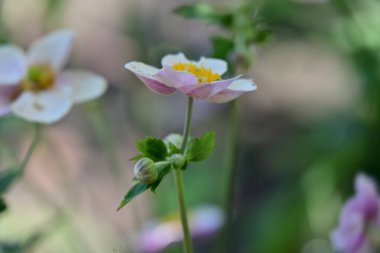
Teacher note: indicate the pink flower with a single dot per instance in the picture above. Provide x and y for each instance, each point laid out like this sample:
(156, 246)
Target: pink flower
(34, 87)
(204, 221)
(359, 220)
(199, 79)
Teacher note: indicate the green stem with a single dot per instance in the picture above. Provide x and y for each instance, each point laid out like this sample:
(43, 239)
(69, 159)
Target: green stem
(186, 130)
(179, 182)
(181, 200)
(231, 167)
(224, 238)
(32, 147)
(104, 133)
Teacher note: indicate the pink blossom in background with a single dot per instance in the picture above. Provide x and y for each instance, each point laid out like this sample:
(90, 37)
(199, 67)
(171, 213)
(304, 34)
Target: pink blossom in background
(359, 227)
(204, 221)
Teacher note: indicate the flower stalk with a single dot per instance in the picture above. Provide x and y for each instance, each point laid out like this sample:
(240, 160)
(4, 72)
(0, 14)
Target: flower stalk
(36, 139)
(179, 182)
(200, 79)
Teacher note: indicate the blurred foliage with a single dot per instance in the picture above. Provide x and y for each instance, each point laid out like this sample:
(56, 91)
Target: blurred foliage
(7, 177)
(207, 13)
(295, 174)
(244, 30)
(347, 142)
(3, 205)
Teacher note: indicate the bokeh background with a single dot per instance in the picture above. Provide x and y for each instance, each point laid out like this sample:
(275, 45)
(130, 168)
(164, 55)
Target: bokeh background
(313, 123)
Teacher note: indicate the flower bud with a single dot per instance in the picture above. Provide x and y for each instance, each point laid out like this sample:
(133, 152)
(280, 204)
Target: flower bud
(178, 161)
(175, 139)
(146, 171)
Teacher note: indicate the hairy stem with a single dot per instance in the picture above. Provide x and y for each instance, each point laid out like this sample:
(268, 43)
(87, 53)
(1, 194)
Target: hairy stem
(179, 182)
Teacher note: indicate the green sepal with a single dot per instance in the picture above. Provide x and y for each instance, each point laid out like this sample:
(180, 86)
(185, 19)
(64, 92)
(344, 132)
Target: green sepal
(163, 170)
(3, 206)
(206, 13)
(7, 177)
(136, 190)
(152, 148)
(201, 148)
(174, 149)
(178, 161)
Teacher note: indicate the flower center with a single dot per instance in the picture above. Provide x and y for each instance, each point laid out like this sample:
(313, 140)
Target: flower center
(203, 74)
(39, 77)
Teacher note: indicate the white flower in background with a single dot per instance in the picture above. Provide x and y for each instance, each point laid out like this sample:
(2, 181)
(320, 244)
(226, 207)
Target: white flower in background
(33, 85)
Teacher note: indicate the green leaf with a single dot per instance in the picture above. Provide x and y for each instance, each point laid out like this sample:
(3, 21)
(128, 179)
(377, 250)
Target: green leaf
(163, 170)
(153, 148)
(201, 148)
(7, 177)
(261, 35)
(136, 158)
(3, 206)
(222, 47)
(132, 193)
(54, 5)
(10, 247)
(206, 13)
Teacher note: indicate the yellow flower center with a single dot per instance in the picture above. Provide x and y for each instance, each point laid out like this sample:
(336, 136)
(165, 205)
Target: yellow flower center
(203, 74)
(39, 77)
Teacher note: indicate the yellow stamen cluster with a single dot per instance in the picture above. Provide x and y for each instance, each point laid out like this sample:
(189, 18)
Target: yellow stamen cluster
(203, 74)
(39, 77)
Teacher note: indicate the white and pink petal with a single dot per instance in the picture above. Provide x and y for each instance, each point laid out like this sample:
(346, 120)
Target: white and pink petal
(13, 65)
(44, 107)
(177, 79)
(148, 75)
(85, 85)
(170, 59)
(52, 49)
(236, 89)
(207, 90)
(6, 95)
(216, 65)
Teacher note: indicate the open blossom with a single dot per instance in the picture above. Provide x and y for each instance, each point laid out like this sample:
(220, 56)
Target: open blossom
(199, 79)
(33, 85)
(358, 231)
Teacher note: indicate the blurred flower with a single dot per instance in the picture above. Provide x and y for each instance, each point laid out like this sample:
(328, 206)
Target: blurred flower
(204, 221)
(359, 227)
(199, 79)
(33, 85)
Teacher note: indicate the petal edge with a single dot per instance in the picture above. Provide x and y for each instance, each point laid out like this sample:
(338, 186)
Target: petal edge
(12, 65)
(147, 74)
(52, 49)
(86, 85)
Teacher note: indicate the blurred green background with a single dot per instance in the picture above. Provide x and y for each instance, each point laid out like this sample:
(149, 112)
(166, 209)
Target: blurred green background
(313, 123)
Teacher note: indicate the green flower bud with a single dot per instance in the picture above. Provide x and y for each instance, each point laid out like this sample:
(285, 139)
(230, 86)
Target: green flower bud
(175, 139)
(178, 161)
(146, 171)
